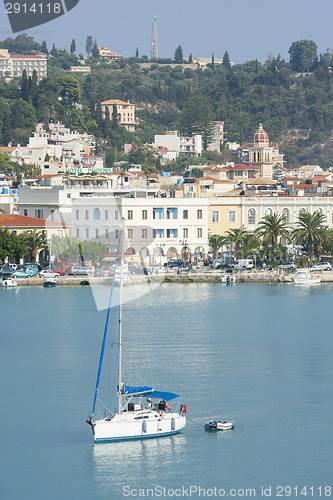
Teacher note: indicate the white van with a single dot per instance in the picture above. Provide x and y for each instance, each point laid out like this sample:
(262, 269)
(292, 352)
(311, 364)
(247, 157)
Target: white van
(244, 264)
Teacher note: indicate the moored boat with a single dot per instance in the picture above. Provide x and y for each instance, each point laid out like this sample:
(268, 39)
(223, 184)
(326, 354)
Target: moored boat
(49, 283)
(8, 283)
(220, 425)
(304, 277)
(138, 415)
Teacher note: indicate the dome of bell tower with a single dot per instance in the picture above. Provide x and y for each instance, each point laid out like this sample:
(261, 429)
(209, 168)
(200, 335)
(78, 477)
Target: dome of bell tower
(261, 137)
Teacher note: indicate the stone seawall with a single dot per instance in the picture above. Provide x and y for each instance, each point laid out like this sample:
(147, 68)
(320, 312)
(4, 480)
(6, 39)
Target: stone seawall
(191, 277)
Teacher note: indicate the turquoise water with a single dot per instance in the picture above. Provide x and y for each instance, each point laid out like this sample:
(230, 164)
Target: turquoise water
(258, 354)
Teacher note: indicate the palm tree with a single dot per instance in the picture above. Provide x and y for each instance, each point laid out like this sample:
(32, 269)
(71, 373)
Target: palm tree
(271, 227)
(216, 241)
(310, 229)
(250, 246)
(236, 237)
(35, 242)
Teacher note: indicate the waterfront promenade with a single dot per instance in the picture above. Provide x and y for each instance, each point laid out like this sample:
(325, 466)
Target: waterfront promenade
(196, 276)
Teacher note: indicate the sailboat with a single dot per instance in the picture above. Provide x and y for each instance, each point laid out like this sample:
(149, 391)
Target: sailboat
(143, 412)
(49, 281)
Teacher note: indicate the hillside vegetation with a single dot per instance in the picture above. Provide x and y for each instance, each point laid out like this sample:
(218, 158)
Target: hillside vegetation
(292, 99)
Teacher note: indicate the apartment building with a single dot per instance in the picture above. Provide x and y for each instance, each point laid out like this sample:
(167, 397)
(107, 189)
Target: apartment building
(125, 113)
(153, 227)
(12, 65)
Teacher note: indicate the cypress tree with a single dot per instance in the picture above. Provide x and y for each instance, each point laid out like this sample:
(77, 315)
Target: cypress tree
(73, 47)
(44, 47)
(226, 60)
(114, 117)
(24, 84)
(95, 51)
(213, 62)
(89, 45)
(179, 55)
(190, 59)
(54, 51)
(137, 53)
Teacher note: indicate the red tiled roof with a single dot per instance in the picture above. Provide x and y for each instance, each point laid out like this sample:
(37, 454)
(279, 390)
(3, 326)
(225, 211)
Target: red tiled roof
(13, 220)
(226, 181)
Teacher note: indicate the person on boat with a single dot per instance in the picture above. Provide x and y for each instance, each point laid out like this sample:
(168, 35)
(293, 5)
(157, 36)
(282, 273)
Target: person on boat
(162, 406)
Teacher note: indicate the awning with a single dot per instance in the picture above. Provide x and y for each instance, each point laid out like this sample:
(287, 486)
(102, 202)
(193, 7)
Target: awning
(146, 390)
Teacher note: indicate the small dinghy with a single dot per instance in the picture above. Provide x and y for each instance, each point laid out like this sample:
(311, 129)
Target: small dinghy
(218, 425)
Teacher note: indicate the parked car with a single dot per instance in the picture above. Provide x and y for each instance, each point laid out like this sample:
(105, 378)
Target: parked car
(47, 273)
(79, 271)
(176, 263)
(244, 264)
(288, 266)
(23, 274)
(57, 273)
(322, 266)
(6, 271)
(141, 270)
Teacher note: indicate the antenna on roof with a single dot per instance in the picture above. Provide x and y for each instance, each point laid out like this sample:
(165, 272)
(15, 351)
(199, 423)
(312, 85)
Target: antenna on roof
(154, 45)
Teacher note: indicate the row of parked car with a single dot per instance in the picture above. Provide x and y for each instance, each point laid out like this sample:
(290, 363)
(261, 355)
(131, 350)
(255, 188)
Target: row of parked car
(32, 269)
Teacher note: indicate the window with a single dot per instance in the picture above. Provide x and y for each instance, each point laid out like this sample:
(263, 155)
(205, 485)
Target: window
(130, 214)
(25, 212)
(185, 214)
(60, 232)
(172, 213)
(199, 232)
(158, 233)
(199, 214)
(158, 213)
(302, 211)
(87, 233)
(77, 232)
(215, 216)
(231, 216)
(106, 214)
(285, 215)
(116, 215)
(96, 233)
(116, 233)
(106, 233)
(172, 233)
(87, 214)
(144, 233)
(185, 232)
(144, 214)
(251, 216)
(97, 214)
(69, 195)
(39, 214)
(129, 233)
(268, 211)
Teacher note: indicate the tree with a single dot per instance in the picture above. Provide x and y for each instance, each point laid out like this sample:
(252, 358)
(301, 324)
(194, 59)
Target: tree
(44, 47)
(271, 227)
(197, 117)
(213, 62)
(70, 90)
(114, 123)
(190, 59)
(6, 244)
(95, 51)
(24, 85)
(179, 55)
(303, 56)
(235, 237)
(73, 47)
(54, 51)
(226, 60)
(89, 45)
(35, 242)
(137, 53)
(310, 230)
(216, 241)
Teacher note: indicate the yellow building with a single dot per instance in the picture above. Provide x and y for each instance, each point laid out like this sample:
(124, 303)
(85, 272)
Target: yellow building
(125, 113)
(224, 215)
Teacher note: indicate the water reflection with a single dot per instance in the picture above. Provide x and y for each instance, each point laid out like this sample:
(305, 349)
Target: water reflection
(121, 463)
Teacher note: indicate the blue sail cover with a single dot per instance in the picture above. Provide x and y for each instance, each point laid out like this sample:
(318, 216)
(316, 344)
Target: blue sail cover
(147, 390)
(136, 390)
(163, 395)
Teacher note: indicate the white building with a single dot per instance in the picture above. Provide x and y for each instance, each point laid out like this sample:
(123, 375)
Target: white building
(172, 145)
(13, 65)
(172, 227)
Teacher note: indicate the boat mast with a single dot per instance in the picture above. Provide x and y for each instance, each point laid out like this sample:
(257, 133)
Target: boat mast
(120, 316)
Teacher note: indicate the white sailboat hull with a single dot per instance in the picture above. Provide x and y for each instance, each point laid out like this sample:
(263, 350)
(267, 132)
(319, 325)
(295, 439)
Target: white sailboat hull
(137, 425)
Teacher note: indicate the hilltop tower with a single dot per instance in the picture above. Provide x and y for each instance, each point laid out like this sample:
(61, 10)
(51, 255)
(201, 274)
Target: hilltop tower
(154, 46)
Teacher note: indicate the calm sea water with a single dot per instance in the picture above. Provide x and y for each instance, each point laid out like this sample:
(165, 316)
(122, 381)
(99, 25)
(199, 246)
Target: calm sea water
(258, 354)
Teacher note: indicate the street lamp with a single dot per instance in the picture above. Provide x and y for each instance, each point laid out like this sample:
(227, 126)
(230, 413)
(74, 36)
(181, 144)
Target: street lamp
(183, 243)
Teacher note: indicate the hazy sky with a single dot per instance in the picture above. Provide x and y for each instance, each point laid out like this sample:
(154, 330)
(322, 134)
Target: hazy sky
(246, 29)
